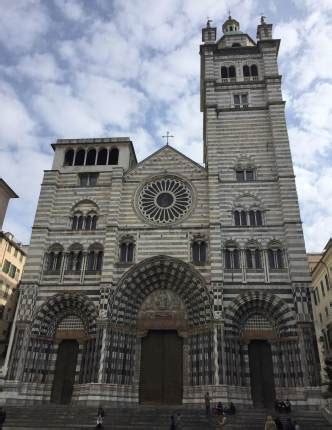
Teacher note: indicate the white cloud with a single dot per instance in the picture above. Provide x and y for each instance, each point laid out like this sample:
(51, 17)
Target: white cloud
(110, 101)
(65, 114)
(16, 125)
(71, 9)
(39, 67)
(315, 193)
(103, 51)
(23, 170)
(22, 23)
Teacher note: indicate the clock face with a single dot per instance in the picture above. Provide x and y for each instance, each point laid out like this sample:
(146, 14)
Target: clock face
(165, 200)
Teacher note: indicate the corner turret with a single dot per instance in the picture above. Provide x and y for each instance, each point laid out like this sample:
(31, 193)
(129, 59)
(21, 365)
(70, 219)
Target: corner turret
(264, 30)
(209, 34)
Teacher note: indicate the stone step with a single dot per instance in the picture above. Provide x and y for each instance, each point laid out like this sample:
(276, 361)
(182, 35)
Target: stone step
(54, 417)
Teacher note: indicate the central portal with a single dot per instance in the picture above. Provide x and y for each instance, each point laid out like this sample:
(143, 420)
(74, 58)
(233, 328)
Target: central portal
(261, 373)
(161, 368)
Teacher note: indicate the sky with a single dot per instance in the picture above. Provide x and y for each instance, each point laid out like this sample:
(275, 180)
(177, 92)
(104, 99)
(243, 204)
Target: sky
(107, 68)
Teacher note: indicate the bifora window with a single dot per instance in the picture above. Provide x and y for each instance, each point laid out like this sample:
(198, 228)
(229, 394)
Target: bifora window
(88, 179)
(245, 175)
(165, 200)
(240, 101)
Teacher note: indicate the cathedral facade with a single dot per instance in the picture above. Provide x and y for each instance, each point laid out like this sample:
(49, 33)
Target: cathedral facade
(157, 281)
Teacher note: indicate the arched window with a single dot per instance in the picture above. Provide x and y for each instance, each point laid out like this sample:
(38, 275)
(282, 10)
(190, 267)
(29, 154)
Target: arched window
(224, 72)
(69, 157)
(232, 72)
(259, 218)
(99, 263)
(232, 258)
(70, 261)
(85, 216)
(254, 70)
(54, 259)
(94, 222)
(74, 223)
(80, 157)
(276, 258)
(246, 71)
(253, 258)
(77, 221)
(113, 156)
(88, 223)
(199, 252)
(80, 222)
(95, 258)
(237, 218)
(127, 252)
(50, 261)
(102, 157)
(243, 218)
(91, 157)
(74, 258)
(79, 260)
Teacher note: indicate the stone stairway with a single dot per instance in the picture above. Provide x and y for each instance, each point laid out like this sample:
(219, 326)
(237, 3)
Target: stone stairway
(56, 417)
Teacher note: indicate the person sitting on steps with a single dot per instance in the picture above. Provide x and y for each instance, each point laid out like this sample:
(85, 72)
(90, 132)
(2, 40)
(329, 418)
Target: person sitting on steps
(219, 408)
(221, 422)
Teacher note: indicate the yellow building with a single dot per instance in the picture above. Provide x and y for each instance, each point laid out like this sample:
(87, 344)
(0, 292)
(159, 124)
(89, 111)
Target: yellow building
(321, 271)
(12, 260)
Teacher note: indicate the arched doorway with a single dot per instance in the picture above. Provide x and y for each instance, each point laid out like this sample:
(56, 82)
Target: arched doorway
(66, 324)
(165, 302)
(161, 372)
(64, 375)
(161, 318)
(261, 326)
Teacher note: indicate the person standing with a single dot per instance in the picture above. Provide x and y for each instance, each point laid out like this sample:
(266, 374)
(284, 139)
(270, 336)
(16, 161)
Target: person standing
(278, 423)
(297, 426)
(207, 400)
(270, 424)
(178, 421)
(173, 425)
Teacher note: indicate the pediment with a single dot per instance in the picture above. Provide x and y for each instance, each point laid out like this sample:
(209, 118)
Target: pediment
(166, 160)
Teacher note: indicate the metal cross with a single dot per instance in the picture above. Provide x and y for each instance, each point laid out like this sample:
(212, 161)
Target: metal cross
(167, 136)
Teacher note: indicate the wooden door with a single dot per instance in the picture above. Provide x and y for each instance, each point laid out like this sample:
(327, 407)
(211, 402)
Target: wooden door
(64, 377)
(261, 373)
(161, 368)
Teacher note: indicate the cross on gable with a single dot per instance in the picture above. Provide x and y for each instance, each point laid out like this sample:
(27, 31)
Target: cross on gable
(167, 136)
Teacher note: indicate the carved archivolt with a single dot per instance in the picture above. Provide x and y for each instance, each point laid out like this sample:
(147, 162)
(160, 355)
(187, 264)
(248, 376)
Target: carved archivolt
(161, 273)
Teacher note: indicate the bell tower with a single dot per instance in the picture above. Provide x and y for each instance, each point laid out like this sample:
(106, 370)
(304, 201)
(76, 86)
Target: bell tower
(252, 192)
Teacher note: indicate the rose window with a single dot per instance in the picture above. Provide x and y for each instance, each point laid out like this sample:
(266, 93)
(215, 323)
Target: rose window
(165, 200)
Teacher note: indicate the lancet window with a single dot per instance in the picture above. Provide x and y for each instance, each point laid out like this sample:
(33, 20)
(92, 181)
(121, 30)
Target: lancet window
(232, 256)
(127, 250)
(199, 251)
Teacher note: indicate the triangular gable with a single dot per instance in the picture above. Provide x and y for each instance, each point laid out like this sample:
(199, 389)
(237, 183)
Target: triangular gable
(157, 154)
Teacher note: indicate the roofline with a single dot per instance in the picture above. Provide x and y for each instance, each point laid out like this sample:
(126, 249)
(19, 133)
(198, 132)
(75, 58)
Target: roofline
(326, 249)
(12, 242)
(159, 150)
(11, 192)
(240, 33)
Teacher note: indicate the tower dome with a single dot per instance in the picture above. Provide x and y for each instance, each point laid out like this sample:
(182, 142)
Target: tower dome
(231, 25)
